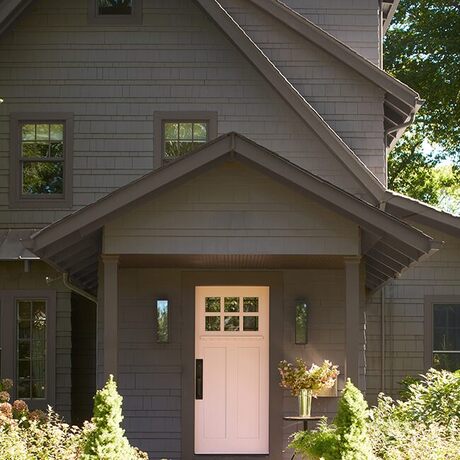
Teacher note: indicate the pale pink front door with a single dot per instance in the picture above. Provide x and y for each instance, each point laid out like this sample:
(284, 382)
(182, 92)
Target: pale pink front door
(232, 349)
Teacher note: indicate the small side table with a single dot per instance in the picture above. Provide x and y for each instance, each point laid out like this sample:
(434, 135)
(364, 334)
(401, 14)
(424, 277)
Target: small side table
(305, 421)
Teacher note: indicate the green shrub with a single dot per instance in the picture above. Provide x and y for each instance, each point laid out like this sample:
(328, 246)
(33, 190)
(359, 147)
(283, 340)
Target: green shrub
(425, 425)
(106, 440)
(26, 435)
(346, 439)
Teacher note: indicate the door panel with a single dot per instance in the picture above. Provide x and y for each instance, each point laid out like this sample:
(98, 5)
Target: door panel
(231, 337)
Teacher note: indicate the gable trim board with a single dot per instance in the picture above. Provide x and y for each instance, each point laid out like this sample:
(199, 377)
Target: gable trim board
(401, 102)
(405, 244)
(292, 96)
(9, 12)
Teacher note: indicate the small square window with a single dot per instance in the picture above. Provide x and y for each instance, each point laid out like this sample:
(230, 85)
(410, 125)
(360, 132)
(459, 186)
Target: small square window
(181, 137)
(178, 133)
(114, 7)
(446, 336)
(41, 168)
(115, 12)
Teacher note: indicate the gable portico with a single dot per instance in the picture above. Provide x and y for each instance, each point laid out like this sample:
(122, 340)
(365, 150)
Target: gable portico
(229, 214)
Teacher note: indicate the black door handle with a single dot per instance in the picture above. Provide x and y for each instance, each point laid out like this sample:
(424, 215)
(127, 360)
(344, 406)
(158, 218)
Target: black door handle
(199, 379)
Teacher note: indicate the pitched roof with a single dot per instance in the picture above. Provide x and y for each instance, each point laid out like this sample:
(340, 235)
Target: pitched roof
(389, 8)
(9, 11)
(292, 96)
(279, 82)
(60, 243)
(401, 102)
(405, 207)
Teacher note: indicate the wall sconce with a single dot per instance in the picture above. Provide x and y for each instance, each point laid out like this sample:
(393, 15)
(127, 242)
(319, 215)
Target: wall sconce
(162, 320)
(301, 322)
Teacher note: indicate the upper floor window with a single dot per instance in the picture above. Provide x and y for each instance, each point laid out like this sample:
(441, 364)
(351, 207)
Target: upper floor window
(178, 133)
(41, 160)
(115, 11)
(110, 7)
(446, 336)
(181, 137)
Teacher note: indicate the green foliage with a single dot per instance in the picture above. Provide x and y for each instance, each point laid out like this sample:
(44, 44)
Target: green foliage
(421, 49)
(35, 435)
(424, 425)
(107, 440)
(346, 439)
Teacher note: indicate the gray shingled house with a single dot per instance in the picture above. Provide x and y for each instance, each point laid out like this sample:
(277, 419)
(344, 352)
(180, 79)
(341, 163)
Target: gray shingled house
(183, 182)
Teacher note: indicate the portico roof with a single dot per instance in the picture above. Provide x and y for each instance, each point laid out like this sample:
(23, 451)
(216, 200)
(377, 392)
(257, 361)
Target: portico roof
(72, 244)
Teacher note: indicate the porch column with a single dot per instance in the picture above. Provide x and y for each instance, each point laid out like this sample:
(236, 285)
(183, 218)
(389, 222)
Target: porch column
(352, 322)
(110, 263)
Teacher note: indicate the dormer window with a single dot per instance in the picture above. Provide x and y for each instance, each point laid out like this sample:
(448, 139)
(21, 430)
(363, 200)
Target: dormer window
(113, 12)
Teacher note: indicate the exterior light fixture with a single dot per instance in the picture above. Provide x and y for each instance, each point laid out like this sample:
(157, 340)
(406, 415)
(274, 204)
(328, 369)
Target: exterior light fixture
(301, 322)
(162, 320)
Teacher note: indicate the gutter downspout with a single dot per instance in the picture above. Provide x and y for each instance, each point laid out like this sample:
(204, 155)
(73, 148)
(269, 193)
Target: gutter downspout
(382, 332)
(76, 289)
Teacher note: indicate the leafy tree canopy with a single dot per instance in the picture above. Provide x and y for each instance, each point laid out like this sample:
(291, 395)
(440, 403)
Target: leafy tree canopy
(422, 49)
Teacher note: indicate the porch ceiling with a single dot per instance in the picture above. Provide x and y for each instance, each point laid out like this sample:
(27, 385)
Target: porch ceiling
(73, 244)
(231, 261)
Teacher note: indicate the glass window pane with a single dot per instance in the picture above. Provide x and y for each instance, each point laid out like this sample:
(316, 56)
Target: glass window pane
(31, 348)
(24, 370)
(171, 131)
(38, 390)
(200, 131)
(446, 330)
(35, 149)
(232, 304)
(57, 150)
(28, 132)
(172, 149)
(232, 323)
(212, 304)
(162, 321)
(185, 147)
(185, 131)
(24, 389)
(251, 323)
(24, 310)
(24, 329)
(301, 323)
(43, 132)
(447, 361)
(114, 7)
(24, 349)
(251, 304)
(57, 132)
(42, 178)
(212, 323)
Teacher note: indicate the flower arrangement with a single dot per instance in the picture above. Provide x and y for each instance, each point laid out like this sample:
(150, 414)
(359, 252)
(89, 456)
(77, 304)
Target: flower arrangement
(299, 377)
